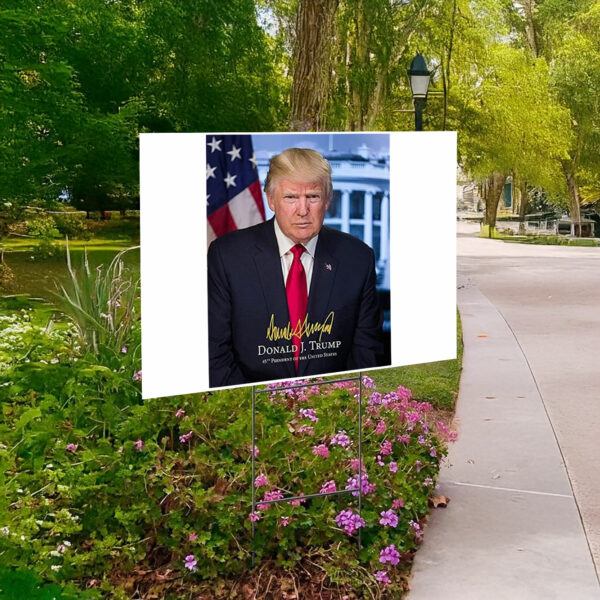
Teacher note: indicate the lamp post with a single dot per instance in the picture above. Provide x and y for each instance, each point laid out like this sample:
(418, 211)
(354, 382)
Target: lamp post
(419, 77)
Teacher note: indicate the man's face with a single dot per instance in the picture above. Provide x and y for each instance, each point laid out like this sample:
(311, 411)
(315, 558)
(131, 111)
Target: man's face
(299, 209)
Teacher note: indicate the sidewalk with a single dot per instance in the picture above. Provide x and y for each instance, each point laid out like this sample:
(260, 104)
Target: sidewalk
(512, 529)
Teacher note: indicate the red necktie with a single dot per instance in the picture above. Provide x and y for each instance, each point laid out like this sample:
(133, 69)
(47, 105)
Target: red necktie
(297, 297)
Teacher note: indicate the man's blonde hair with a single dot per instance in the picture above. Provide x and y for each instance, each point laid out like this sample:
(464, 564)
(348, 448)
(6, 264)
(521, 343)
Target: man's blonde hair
(299, 165)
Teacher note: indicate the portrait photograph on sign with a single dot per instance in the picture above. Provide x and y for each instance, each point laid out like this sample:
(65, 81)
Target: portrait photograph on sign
(299, 256)
(297, 262)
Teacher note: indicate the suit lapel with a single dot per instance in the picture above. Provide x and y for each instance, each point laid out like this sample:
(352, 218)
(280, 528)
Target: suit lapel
(268, 267)
(323, 277)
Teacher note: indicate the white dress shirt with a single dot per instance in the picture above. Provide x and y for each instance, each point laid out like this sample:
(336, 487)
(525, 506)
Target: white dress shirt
(285, 252)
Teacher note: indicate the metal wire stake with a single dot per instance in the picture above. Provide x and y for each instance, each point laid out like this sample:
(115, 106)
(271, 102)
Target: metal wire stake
(358, 489)
(253, 454)
(360, 481)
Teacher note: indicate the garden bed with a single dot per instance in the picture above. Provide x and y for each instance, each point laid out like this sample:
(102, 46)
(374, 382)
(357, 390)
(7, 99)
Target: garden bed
(124, 498)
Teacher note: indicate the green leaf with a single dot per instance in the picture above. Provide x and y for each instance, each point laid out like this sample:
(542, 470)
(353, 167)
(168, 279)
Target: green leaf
(27, 416)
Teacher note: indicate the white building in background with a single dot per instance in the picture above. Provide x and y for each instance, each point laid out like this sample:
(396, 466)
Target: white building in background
(361, 200)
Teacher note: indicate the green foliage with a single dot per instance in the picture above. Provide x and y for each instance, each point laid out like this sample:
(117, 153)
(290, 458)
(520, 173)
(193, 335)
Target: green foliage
(436, 382)
(71, 224)
(518, 127)
(42, 226)
(26, 335)
(96, 480)
(101, 304)
(18, 584)
(576, 71)
(80, 80)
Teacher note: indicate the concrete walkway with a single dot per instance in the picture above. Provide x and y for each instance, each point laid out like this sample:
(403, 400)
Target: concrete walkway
(513, 528)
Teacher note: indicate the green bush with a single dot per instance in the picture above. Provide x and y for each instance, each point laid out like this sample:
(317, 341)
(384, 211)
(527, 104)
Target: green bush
(46, 248)
(42, 226)
(23, 340)
(100, 486)
(72, 224)
(97, 480)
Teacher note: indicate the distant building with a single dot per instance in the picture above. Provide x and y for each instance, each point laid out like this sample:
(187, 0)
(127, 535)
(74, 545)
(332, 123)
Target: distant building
(360, 204)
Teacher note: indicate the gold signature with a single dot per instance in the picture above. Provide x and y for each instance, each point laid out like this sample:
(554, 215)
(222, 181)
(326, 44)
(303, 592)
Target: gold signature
(302, 329)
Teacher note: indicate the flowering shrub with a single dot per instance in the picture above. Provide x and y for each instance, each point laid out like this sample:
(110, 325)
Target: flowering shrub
(98, 485)
(25, 338)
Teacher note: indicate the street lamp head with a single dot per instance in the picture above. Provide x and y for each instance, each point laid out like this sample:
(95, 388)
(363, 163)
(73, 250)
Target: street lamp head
(419, 76)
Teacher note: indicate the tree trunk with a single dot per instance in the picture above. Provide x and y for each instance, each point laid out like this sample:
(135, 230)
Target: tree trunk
(312, 63)
(495, 187)
(530, 30)
(446, 68)
(574, 201)
(523, 205)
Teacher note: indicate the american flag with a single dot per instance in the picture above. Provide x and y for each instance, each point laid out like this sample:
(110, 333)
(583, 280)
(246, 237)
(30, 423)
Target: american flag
(233, 196)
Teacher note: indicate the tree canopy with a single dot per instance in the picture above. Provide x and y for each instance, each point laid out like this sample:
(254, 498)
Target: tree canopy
(81, 79)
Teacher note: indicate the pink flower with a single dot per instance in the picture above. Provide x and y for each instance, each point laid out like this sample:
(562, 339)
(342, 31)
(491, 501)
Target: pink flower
(190, 563)
(260, 481)
(255, 451)
(72, 447)
(186, 437)
(412, 416)
(414, 525)
(353, 463)
(367, 488)
(380, 428)
(306, 430)
(124, 350)
(349, 521)
(389, 554)
(379, 461)
(285, 521)
(298, 502)
(404, 393)
(274, 495)
(138, 376)
(386, 448)
(418, 465)
(254, 516)
(180, 413)
(404, 439)
(368, 382)
(388, 518)
(321, 450)
(393, 467)
(309, 413)
(340, 439)
(428, 482)
(138, 445)
(375, 398)
(399, 503)
(382, 577)
(193, 537)
(328, 486)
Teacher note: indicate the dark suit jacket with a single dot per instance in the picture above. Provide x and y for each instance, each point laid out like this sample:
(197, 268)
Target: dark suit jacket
(246, 292)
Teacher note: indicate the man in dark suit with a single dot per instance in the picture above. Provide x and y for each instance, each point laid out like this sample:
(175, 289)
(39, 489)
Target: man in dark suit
(289, 297)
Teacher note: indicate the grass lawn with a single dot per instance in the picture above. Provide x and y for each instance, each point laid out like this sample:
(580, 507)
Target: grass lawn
(435, 382)
(38, 277)
(540, 240)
